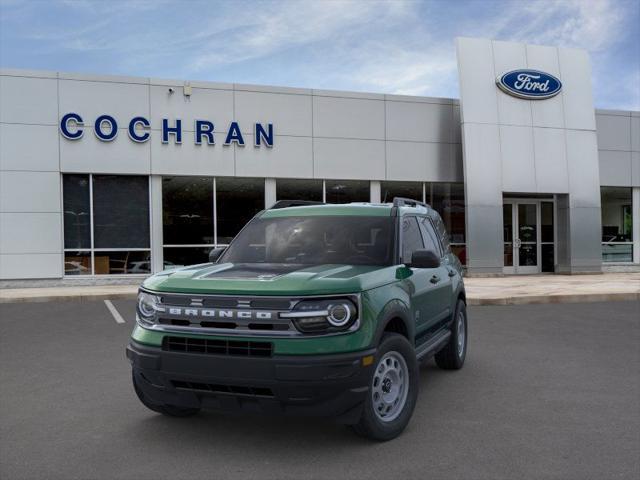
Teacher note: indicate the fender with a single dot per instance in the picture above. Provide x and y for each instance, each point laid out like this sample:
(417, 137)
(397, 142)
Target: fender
(394, 309)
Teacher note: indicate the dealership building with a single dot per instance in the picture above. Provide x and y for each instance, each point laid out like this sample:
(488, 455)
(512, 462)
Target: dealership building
(104, 177)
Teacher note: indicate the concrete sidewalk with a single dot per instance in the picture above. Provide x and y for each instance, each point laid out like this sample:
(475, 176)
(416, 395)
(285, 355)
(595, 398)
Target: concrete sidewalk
(511, 290)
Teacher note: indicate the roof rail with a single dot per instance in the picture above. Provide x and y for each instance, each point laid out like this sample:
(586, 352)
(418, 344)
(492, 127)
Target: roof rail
(408, 202)
(293, 203)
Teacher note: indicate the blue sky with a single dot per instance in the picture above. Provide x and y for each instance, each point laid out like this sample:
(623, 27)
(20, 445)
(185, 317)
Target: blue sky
(402, 47)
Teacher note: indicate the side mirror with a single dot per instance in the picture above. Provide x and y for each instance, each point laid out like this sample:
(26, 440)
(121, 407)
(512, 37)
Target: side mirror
(424, 259)
(215, 253)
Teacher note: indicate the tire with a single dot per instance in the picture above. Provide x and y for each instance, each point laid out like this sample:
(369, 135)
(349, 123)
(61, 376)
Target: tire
(394, 354)
(452, 356)
(169, 410)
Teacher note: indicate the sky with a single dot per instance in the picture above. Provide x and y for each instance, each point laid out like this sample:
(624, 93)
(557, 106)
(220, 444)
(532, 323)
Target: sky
(402, 47)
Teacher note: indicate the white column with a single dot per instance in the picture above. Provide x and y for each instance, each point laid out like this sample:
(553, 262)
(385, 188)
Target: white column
(635, 219)
(269, 192)
(375, 191)
(155, 204)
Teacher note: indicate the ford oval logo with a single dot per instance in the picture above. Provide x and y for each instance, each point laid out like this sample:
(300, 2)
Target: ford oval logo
(529, 84)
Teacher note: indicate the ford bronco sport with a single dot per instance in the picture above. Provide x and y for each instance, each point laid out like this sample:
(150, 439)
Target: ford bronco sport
(312, 309)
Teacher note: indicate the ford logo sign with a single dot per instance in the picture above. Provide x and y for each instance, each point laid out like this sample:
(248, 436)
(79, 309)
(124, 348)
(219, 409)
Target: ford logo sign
(529, 84)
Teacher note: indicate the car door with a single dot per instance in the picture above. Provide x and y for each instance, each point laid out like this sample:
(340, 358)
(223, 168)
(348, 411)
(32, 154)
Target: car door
(440, 280)
(419, 285)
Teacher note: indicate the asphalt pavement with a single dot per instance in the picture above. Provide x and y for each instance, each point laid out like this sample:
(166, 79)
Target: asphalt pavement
(548, 391)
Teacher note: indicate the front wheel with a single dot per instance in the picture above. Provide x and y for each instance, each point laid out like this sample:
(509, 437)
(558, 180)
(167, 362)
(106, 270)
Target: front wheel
(452, 356)
(393, 390)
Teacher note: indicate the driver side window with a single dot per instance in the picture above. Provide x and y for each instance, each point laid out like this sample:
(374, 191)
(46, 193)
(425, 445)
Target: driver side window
(411, 238)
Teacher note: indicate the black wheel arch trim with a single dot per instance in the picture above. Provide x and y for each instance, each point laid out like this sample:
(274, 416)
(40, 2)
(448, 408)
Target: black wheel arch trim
(392, 310)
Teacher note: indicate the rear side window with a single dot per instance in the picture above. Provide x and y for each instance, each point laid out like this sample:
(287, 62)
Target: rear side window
(431, 241)
(411, 238)
(442, 232)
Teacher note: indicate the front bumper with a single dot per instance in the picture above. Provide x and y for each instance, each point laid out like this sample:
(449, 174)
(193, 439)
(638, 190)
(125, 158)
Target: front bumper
(314, 385)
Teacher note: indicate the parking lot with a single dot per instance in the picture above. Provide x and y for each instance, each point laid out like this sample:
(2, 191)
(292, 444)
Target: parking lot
(548, 391)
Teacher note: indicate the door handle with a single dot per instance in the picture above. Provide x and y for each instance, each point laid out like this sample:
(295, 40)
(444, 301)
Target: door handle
(452, 273)
(518, 243)
(435, 279)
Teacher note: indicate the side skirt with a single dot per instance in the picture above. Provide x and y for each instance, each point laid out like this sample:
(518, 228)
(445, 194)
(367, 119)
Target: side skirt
(435, 343)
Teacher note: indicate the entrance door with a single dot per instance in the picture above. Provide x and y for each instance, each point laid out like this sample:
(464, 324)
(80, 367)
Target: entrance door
(522, 236)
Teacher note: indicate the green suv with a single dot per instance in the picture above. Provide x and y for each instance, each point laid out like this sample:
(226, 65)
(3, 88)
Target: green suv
(313, 309)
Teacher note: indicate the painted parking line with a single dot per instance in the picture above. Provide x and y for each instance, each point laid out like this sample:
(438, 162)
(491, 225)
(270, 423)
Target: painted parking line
(116, 315)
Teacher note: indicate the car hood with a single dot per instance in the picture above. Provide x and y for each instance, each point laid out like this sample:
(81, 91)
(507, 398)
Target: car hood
(271, 279)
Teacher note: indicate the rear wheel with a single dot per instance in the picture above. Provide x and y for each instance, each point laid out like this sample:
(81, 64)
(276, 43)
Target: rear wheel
(452, 356)
(393, 390)
(165, 409)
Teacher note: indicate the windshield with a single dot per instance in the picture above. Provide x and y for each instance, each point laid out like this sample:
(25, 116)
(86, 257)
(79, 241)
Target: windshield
(314, 240)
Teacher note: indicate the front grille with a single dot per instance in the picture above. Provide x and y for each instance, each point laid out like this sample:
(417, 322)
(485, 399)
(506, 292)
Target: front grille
(215, 388)
(209, 346)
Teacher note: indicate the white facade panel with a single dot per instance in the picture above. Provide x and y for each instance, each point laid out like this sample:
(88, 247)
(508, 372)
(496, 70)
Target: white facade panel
(28, 100)
(30, 266)
(121, 155)
(635, 133)
(215, 106)
(349, 159)
(582, 156)
(577, 90)
(518, 163)
(477, 80)
(406, 161)
(29, 147)
(29, 192)
(509, 56)
(615, 168)
(482, 162)
(293, 158)
(614, 132)
(550, 154)
(550, 112)
(90, 99)
(348, 118)
(191, 159)
(635, 169)
(419, 122)
(30, 233)
(289, 114)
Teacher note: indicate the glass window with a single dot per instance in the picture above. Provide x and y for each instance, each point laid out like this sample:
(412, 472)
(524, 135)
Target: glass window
(617, 224)
(429, 236)
(347, 191)
(237, 201)
(181, 256)
(448, 200)
(315, 240)
(390, 190)
(77, 214)
(120, 211)
(293, 189)
(411, 238)
(187, 211)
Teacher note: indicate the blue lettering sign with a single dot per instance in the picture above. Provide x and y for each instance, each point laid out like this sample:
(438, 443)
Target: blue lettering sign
(167, 130)
(111, 134)
(234, 135)
(529, 84)
(64, 126)
(133, 135)
(260, 134)
(204, 128)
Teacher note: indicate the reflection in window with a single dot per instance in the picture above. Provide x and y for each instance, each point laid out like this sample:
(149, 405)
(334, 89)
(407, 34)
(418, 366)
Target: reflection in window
(77, 215)
(347, 191)
(448, 200)
(293, 189)
(617, 224)
(180, 256)
(237, 201)
(390, 190)
(77, 263)
(187, 211)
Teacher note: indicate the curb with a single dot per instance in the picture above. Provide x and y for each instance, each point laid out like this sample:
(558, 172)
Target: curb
(551, 299)
(89, 297)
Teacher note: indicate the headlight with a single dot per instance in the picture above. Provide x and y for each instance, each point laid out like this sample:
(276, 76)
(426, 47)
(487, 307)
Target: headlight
(323, 316)
(147, 307)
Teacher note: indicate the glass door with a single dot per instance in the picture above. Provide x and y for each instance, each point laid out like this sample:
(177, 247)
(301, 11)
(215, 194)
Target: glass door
(521, 232)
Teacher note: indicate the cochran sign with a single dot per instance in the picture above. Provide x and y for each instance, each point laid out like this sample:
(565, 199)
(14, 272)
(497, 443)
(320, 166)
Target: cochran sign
(529, 84)
(105, 128)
